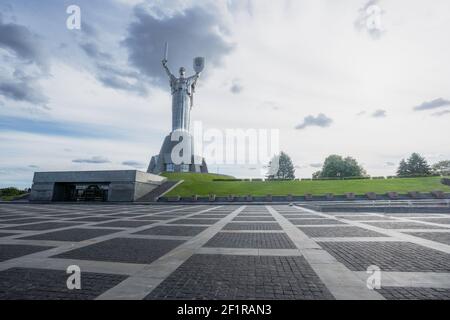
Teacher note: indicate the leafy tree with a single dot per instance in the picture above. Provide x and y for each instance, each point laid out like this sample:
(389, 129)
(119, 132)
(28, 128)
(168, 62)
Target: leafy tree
(316, 175)
(415, 165)
(336, 166)
(281, 167)
(402, 170)
(442, 168)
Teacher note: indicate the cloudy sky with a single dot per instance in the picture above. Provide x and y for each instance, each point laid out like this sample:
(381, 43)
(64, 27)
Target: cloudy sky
(369, 79)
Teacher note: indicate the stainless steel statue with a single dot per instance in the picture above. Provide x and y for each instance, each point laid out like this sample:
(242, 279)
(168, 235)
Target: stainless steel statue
(183, 90)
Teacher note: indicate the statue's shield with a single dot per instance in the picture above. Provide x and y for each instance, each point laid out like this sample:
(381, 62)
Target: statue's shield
(199, 64)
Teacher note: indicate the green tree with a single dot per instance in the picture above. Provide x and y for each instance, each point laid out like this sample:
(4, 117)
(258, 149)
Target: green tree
(336, 166)
(316, 175)
(416, 165)
(442, 168)
(281, 167)
(402, 170)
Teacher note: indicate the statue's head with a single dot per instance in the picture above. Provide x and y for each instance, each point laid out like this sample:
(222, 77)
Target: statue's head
(182, 71)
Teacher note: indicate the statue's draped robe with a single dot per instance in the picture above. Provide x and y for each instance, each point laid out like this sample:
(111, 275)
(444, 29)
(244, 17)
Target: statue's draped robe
(182, 95)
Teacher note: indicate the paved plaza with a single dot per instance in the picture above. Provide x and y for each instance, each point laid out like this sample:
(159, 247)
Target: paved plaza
(220, 252)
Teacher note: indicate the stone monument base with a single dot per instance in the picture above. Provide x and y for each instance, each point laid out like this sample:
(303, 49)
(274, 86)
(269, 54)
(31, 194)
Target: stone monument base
(163, 162)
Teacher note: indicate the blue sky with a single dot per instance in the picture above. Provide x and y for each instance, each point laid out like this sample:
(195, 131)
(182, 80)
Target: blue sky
(97, 98)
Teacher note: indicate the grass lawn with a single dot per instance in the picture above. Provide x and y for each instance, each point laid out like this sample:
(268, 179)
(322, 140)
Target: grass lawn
(9, 194)
(202, 184)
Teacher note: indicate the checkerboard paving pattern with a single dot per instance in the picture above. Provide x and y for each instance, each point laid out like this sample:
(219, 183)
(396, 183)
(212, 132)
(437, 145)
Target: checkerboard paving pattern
(44, 284)
(242, 277)
(208, 251)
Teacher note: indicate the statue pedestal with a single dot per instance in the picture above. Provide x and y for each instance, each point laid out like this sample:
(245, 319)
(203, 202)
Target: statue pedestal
(163, 162)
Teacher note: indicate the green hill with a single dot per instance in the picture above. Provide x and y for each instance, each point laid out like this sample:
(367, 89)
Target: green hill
(203, 185)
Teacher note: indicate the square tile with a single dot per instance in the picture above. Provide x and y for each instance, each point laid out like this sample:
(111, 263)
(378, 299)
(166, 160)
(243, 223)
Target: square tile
(92, 219)
(435, 220)
(233, 277)
(5, 234)
(402, 225)
(73, 235)
(42, 226)
(24, 221)
(332, 232)
(126, 215)
(442, 237)
(364, 218)
(12, 251)
(127, 250)
(301, 222)
(251, 240)
(388, 256)
(252, 226)
(184, 231)
(195, 221)
(125, 224)
(240, 218)
(44, 284)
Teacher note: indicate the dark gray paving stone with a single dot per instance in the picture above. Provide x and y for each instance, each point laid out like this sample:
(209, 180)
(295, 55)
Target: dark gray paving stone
(93, 219)
(230, 277)
(4, 234)
(300, 222)
(11, 251)
(388, 256)
(436, 220)
(318, 232)
(68, 216)
(184, 231)
(153, 218)
(252, 226)
(24, 221)
(209, 216)
(43, 226)
(413, 293)
(73, 235)
(40, 284)
(410, 215)
(251, 240)
(402, 225)
(168, 217)
(11, 217)
(126, 215)
(127, 250)
(365, 218)
(195, 221)
(238, 218)
(125, 224)
(295, 216)
(442, 237)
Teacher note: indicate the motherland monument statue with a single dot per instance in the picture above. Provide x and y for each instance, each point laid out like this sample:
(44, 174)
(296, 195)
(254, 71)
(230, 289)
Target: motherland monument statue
(182, 90)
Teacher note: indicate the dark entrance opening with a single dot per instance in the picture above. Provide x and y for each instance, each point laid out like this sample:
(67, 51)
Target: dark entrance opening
(77, 192)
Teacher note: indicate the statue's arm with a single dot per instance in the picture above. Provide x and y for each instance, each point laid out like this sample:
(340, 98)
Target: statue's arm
(164, 63)
(193, 79)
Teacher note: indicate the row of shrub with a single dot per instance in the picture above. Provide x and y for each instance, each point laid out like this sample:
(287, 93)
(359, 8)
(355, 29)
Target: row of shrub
(11, 191)
(234, 180)
(308, 196)
(415, 176)
(332, 178)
